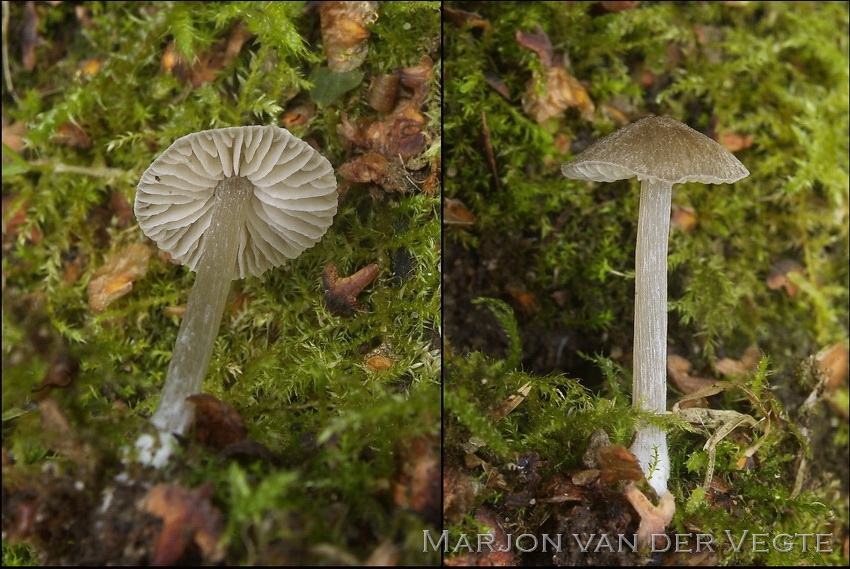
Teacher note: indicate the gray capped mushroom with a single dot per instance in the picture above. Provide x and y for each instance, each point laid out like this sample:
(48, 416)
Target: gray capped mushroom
(660, 152)
(228, 203)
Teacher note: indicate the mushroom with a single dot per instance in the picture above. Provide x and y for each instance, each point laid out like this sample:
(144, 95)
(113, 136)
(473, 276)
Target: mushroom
(228, 203)
(660, 152)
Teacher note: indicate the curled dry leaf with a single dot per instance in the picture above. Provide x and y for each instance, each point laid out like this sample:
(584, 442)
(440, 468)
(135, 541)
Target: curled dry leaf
(778, 276)
(736, 368)
(455, 213)
(341, 292)
(556, 90)
(618, 464)
(367, 168)
(678, 372)
(217, 424)
(685, 218)
(187, 515)
(400, 133)
(345, 34)
(462, 17)
(832, 362)
(653, 519)
(115, 278)
(733, 142)
(417, 78)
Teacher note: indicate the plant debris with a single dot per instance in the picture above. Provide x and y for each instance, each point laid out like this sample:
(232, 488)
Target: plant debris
(115, 278)
(188, 516)
(345, 34)
(549, 95)
(341, 292)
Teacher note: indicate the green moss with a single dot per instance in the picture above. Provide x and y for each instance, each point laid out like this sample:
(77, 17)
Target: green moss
(294, 371)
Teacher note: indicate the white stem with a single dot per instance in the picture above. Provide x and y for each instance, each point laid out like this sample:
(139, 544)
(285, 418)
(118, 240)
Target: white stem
(196, 338)
(650, 342)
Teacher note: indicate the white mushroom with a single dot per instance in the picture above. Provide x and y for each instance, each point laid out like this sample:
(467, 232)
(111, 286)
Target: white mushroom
(660, 152)
(228, 203)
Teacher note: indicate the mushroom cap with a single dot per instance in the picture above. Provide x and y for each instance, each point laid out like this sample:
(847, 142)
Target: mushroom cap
(293, 203)
(659, 148)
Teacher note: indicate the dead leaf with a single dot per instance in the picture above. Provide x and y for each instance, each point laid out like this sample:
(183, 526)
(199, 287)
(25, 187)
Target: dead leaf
(678, 369)
(341, 292)
(115, 278)
(496, 83)
(459, 491)
(455, 213)
(206, 66)
(187, 515)
(733, 142)
(418, 78)
(525, 301)
(550, 95)
(685, 218)
(400, 133)
(217, 424)
(13, 136)
(462, 18)
(832, 362)
(737, 368)
(778, 276)
(344, 33)
(368, 168)
(511, 403)
(72, 135)
(618, 464)
(653, 519)
(417, 483)
(498, 554)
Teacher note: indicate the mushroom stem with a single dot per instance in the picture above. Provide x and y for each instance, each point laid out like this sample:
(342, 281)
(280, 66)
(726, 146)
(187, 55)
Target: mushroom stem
(650, 341)
(196, 338)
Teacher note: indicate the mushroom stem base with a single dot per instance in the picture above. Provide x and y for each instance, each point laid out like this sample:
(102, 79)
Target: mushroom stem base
(196, 338)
